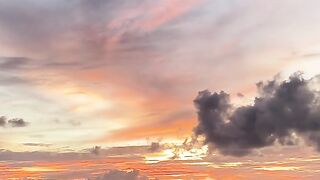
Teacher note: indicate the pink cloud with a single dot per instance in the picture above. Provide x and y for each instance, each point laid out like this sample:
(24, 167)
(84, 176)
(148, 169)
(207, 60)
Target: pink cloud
(148, 17)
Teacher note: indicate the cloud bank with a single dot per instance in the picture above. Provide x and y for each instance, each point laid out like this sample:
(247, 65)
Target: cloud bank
(283, 111)
(122, 175)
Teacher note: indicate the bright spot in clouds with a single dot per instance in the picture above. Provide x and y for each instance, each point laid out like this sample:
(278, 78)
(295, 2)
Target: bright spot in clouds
(119, 74)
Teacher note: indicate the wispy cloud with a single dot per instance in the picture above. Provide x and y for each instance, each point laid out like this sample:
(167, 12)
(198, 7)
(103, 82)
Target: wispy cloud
(37, 144)
(125, 72)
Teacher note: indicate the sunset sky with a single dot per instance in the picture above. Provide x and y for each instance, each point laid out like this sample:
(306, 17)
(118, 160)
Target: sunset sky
(109, 89)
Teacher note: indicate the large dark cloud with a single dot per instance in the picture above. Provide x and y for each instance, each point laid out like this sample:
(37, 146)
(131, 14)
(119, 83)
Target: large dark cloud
(282, 111)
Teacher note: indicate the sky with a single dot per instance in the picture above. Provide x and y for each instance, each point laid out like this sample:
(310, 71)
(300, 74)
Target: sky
(159, 89)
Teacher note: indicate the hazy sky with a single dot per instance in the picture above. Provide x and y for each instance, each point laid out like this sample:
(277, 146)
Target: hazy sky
(124, 73)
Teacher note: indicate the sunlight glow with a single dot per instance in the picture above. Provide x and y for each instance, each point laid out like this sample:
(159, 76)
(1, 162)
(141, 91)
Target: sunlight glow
(278, 168)
(164, 155)
(309, 67)
(40, 169)
(177, 153)
(193, 154)
(85, 102)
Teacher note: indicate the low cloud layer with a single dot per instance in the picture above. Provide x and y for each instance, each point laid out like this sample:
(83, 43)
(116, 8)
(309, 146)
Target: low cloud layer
(283, 111)
(37, 144)
(16, 122)
(122, 175)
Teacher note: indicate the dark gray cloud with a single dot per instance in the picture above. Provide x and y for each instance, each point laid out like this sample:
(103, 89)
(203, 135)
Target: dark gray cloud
(122, 175)
(16, 122)
(282, 111)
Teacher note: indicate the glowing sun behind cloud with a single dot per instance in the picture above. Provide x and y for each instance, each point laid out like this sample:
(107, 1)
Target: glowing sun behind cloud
(87, 85)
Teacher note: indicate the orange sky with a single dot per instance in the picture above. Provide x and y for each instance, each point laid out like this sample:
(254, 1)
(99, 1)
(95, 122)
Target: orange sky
(122, 75)
(268, 167)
